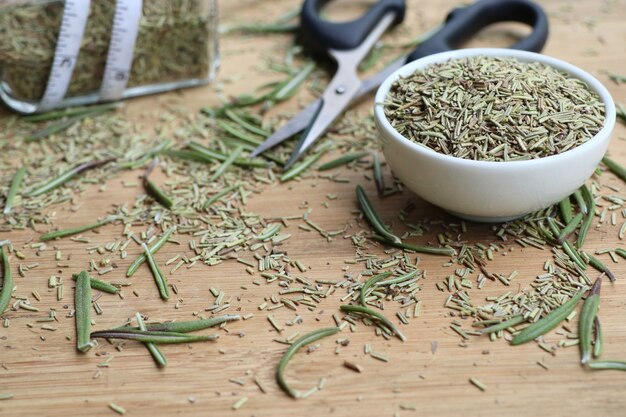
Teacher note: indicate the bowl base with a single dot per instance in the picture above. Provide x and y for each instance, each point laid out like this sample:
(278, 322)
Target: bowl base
(487, 219)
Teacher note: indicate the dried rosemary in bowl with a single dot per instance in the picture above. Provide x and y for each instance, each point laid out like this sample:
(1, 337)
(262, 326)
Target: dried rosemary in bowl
(494, 109)
(176, 41)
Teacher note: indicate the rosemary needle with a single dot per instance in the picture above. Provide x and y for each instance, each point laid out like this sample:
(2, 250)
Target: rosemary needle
(82, 306)
(290, 87)
(367, 284)
(591, 212)
(416, 248)
(160, 280)
(607, 365)
(16, 183)
(208, 155)
(615, 168)
(66, 176)
(150, 336)
(188, 326)
(219, 195)
(374, 315)
(227, 163)
(342, 160)
(504, 324)
(232, 115)
(565, 207)
(68, 112)
(597, 264)
(401, 278)
(378, 174)
(268, 232)
(157, 193)
(154, 350)
(587, 319)
(580, 202)
(295, 347)
(303, 166)
(153, 249)
(598, 341)
(237, 133)
(99, 285)
(66, 123)
(73, 231)
(7, 281)
(549, 322)
(372, 216)
(570, 227)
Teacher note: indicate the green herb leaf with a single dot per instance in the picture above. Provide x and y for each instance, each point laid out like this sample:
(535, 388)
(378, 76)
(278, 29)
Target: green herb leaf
(82, 306)
(295, 347)
(549, 322)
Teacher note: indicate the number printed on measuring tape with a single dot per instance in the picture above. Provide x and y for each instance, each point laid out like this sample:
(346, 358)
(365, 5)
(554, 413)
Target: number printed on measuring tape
(75, 14)
(121, 49)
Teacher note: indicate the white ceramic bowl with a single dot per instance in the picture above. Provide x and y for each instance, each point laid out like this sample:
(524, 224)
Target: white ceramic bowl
(490, 191)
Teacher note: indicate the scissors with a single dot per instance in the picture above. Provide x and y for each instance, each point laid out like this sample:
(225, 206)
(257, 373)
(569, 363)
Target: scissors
(349, 42)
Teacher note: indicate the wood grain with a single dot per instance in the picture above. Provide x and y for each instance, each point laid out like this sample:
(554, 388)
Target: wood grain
(49, 378)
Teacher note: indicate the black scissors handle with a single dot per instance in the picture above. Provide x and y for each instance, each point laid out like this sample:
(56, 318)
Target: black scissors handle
(464, 22)
(322, 35)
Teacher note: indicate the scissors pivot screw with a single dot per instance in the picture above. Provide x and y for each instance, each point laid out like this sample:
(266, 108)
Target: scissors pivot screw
(340, 90)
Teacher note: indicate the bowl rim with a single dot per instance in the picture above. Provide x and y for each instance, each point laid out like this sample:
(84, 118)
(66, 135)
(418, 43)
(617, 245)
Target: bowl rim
(409, 68)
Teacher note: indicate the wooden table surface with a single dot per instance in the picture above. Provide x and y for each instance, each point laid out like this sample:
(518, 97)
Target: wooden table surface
(47, 377)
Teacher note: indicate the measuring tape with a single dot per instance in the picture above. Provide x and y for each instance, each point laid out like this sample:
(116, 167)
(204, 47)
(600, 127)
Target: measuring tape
(73, 23)
(121, 48)
(119, 57)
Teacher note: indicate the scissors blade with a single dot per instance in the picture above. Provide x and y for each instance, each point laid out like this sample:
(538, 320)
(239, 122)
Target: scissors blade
(334, 102)
(303, 118)
(297, 124)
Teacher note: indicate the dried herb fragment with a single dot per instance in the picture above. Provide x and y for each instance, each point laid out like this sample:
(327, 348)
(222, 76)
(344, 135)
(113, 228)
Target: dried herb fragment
(82, 305)
(76, 230)
(586, 321)
(548, 322)
(372, 216)
(374, 315)
(7, 282)
(295, 347)
(16, 183)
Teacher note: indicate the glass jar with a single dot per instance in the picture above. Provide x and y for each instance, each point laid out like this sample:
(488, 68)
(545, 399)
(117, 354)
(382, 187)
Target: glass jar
(175, 47)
